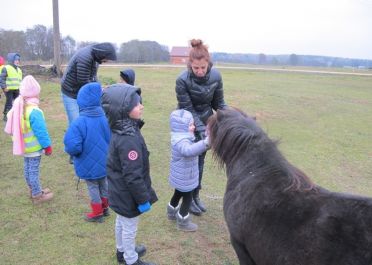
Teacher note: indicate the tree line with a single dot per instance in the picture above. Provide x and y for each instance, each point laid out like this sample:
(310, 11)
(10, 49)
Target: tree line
(36, 44)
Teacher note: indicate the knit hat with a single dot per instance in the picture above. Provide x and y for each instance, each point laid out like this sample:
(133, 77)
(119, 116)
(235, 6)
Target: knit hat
(128, 76)
(29, 87)
(135, 99)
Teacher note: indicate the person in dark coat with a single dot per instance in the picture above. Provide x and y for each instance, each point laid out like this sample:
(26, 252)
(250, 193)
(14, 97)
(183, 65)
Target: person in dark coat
(82, 69)
(128, 76)
(87, 141)
(128, 168)
(199, 89)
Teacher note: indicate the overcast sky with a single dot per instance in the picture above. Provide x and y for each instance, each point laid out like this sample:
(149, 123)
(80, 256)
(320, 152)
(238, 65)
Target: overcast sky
(341, 28)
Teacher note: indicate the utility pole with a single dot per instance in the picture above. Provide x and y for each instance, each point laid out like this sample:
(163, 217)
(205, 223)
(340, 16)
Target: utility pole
(56, 39)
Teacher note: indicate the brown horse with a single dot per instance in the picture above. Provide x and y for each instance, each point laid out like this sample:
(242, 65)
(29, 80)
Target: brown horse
(274, 213)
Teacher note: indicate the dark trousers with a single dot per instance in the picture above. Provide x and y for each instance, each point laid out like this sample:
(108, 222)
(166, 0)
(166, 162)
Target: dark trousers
(10, 96)
(186, 201)
(201, 168)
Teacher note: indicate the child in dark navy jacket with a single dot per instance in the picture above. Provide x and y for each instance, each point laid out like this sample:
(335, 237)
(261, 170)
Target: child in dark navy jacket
(87, 140)
(128, 168)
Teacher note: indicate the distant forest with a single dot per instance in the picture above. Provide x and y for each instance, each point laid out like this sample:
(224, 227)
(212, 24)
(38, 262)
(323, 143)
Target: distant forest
(291, 59)
(36, 44)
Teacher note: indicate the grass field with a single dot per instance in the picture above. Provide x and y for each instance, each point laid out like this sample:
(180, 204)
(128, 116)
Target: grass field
(323, 122)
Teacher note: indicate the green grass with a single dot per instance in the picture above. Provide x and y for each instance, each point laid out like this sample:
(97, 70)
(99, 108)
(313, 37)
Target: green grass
(323, 122)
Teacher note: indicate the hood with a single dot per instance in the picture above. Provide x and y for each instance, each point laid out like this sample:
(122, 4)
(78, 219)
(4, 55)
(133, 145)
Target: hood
(128, 75)
(29, 87)
(103, 51)
(89, 95)
(12, 56)
(116, 102)
(180, 120)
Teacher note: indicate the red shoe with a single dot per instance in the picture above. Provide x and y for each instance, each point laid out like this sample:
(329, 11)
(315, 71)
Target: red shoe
(97, 213)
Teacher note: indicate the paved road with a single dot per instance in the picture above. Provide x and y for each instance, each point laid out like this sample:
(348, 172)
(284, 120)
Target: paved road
(367, 73)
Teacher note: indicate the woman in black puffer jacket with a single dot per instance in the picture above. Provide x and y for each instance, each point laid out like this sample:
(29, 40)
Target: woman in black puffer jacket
(199, 90)
(82, 69)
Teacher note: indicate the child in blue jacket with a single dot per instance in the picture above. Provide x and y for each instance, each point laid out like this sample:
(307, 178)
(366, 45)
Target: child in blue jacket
(87, 140)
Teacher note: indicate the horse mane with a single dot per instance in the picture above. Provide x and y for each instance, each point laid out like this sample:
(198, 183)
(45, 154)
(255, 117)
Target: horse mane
(235, 136)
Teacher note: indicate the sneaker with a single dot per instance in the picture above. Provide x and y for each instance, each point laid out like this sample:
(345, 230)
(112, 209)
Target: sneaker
(45, 191)
(140, 249)
(42, 197)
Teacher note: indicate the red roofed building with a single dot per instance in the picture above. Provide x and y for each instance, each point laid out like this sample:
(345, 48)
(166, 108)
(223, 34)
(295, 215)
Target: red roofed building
(179, 55)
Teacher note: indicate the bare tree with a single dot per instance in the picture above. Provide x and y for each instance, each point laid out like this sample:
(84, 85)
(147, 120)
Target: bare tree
(56, 38)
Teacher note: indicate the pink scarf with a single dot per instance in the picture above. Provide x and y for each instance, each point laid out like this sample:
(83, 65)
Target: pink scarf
(29, 91)
(15, 116)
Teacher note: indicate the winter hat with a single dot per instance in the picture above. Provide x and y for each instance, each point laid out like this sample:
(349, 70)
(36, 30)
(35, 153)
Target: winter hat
(29, 87)
(89, 95)
(135, 99)
(128, 76)
(180, 120)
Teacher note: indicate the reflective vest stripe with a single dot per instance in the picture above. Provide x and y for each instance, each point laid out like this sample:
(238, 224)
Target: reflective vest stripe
(28, 134)
(14, 77)
(31, 142)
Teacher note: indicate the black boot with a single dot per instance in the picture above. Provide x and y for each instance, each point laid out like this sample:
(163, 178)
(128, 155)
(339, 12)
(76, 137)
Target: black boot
(141, 262)
(194, 209)
(140, 249)
(198, 202)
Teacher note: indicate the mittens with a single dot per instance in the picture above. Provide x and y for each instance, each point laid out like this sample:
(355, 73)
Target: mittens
(48, 150)
(144, 207)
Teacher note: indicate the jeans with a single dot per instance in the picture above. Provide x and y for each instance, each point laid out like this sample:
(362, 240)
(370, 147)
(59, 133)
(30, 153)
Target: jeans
(125, 234)
(31, 168)
(71, 108)
(97, 188)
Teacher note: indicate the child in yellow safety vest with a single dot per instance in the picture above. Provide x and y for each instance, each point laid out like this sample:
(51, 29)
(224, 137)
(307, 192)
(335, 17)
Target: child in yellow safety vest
(10, 78)
(26, 124)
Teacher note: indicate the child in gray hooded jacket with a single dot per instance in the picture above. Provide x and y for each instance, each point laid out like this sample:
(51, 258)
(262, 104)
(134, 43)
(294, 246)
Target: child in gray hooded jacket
(184, 170)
